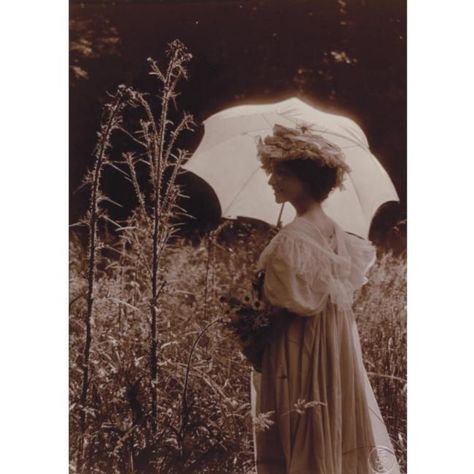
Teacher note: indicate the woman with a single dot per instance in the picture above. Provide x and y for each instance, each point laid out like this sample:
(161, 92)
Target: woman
(313, 386)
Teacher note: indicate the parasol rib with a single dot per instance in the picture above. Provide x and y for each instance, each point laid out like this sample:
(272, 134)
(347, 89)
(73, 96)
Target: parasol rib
(240, 190)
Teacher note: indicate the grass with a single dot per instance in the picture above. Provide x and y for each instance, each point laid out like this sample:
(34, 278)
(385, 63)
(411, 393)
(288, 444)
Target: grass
(156, 383)
(214, 434)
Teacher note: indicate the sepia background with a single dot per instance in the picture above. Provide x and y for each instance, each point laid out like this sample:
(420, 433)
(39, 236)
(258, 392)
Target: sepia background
(191, 413)
(348, 57)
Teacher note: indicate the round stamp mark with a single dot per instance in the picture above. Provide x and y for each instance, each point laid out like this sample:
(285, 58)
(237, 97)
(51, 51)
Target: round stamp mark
(382, 460)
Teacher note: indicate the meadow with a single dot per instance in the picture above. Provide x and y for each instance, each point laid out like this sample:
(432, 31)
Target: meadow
(157, 382)
(212, 430)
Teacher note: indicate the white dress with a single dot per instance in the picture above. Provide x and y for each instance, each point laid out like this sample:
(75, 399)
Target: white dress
(315, 356)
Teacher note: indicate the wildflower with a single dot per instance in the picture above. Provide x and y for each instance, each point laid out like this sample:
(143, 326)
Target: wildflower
(249, 323)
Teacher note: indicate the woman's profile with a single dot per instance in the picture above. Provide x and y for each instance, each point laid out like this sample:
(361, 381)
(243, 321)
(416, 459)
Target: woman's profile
(313, 385)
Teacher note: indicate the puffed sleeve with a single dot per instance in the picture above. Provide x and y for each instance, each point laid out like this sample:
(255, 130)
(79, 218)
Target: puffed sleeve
(363, 256)
(294, 277)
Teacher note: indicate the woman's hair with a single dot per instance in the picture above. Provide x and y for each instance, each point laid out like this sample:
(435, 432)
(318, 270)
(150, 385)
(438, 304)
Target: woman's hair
(319, 179)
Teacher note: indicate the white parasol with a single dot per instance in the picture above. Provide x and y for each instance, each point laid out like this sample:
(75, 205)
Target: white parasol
(227, 160)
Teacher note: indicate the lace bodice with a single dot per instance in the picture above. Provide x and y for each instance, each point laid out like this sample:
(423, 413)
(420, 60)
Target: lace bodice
(304, 270)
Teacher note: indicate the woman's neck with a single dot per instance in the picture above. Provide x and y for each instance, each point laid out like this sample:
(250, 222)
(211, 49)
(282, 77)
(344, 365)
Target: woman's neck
(313, 211)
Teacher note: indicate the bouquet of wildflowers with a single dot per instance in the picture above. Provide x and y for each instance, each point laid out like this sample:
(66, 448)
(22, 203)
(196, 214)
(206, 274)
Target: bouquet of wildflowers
(249, 321)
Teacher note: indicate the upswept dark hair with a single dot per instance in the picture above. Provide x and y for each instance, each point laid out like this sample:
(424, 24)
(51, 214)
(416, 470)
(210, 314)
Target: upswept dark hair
(318, 178)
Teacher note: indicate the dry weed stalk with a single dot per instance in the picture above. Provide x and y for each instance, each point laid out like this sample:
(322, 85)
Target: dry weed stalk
(111, 120)
(147, 234)
(159, 141)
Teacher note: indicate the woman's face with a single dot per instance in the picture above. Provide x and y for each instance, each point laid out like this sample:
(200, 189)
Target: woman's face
(286, 186)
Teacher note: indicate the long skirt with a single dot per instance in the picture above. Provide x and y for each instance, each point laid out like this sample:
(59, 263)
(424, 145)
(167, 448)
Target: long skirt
(314, 407)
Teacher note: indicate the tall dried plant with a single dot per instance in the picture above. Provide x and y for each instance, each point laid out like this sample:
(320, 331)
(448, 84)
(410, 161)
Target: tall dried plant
(111, 121)
(158, 137)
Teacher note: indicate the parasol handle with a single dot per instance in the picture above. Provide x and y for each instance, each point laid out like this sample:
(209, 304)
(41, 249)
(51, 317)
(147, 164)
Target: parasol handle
(279, 216)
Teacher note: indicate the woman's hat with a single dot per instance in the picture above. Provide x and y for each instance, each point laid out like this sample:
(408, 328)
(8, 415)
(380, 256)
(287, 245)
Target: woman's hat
(303, 144)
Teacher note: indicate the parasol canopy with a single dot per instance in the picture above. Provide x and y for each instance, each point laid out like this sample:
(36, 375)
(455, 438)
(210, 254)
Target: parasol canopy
(227, 160)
